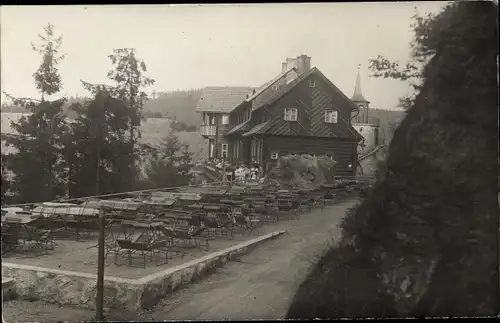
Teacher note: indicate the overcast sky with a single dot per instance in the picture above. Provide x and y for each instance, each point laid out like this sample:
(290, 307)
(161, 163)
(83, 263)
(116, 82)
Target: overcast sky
(192, 46)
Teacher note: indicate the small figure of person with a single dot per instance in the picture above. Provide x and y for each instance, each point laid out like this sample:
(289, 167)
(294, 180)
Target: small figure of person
(239, 174)
(254, 170)
(230, 173)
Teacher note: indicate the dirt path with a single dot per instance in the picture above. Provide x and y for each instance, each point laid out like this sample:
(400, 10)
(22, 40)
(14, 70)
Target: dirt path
(259, 286)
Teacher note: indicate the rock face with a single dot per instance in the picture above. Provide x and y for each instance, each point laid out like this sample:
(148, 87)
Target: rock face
(424, 240)
(301, 171)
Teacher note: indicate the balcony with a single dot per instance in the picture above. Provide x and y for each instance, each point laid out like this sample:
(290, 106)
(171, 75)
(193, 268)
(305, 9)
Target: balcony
(208, 130)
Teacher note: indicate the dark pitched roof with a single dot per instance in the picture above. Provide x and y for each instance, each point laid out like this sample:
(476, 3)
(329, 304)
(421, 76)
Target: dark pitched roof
(222, 98)
(261, 128)
(285, 89)
(242, 127)
(269, 84)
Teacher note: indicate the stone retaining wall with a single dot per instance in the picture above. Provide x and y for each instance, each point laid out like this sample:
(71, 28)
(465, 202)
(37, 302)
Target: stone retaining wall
(79, 289)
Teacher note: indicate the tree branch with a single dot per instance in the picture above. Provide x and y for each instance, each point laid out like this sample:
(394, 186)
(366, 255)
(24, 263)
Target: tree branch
(13, 98)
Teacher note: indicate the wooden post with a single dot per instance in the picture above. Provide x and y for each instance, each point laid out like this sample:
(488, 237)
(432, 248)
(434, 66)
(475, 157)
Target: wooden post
(99, 315)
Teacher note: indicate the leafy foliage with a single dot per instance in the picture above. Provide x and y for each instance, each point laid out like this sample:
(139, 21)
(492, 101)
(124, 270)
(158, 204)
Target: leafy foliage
(5, 184)
(170, 163)
(424, 28)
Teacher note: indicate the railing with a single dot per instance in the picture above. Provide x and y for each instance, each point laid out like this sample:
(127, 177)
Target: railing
(208, 130)
(371, 121)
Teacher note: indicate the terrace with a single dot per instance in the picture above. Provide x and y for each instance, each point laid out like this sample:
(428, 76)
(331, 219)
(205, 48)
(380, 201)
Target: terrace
(154, 242)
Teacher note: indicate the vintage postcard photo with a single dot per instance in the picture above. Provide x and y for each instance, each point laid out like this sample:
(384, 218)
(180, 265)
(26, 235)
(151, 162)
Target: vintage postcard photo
(249, 161)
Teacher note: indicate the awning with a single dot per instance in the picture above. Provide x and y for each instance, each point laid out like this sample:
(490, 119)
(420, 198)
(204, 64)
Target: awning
(261, 128)
(242, 127)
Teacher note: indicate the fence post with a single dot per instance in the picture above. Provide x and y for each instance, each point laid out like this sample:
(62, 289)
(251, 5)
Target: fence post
(100, 268)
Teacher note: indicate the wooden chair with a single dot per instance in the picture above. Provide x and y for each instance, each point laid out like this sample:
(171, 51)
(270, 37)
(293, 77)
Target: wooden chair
(144, 250)
(247, 224)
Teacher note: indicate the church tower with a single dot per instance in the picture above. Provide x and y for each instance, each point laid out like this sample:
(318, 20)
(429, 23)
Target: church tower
(368, 128)
(360, 101)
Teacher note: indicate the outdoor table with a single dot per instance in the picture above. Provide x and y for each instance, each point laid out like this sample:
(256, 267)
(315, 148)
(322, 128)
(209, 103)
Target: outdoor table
(149, 232)
(175, 217)
(212, 207)
(232, 202)
(22, 219)
(128, 230)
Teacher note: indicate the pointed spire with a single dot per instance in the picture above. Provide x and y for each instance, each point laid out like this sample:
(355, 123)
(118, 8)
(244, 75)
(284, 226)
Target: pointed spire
(358, 96)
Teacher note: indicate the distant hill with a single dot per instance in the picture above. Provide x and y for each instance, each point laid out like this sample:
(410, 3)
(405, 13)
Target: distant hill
(178, 105)
(388, 120)
(6, 108)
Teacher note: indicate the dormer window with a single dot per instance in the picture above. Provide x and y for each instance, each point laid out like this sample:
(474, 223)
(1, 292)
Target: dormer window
(312, 84)
(330, 116)
(225, 119)
(275, 88)
(290, 114)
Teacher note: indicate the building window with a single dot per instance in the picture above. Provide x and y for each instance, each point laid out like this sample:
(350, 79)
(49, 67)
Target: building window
(224, 150)
(211, 148)
(275, 87)
(225, 119)
(331, 116)
(211, 119)
(290, 114)
(235, 149)
(274, 155)
(312, 84)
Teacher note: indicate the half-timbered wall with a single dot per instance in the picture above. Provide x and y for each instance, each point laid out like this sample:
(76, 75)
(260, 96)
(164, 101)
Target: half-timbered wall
(312, 97)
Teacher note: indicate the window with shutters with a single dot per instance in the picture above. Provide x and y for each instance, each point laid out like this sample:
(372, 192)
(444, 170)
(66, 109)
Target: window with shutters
(331, 116)
(290, 114)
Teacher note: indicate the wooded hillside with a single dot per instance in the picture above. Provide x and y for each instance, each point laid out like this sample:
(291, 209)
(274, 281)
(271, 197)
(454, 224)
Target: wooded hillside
(178, 105)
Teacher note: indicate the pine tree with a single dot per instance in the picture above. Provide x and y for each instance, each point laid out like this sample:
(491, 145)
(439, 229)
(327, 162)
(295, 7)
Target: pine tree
(129, 81)
(95, 145)
(38, 164)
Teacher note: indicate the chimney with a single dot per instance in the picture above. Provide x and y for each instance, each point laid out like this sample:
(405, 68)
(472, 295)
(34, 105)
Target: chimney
(291, 62)
(303, 63)
(283, 67)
